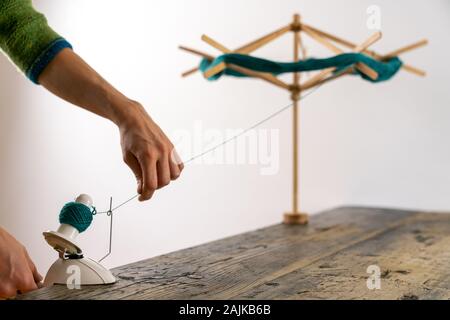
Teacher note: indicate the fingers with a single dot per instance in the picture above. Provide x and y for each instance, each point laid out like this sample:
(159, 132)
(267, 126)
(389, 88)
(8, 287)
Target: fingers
(176, 164)
(36, 275)
(29, 277)
(148, 167)
(7, 291)
(27, 284)
(22, 282)
(164, 173)
(151, 157)
(134, 165)
(157, 170)
(17, 271)
(147, 151)
(174, 170)
(38, 278)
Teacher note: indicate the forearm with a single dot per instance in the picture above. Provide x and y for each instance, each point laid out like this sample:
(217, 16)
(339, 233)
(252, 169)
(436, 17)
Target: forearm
(73, 80)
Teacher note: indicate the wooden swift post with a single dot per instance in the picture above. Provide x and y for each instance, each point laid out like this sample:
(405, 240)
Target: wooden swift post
(295, 216)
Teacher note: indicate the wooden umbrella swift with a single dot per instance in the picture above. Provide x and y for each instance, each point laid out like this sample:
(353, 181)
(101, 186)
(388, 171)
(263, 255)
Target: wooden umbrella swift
(331, 42)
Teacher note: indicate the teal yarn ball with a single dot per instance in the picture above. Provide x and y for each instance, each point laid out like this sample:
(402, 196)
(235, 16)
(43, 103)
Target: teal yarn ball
(77, 215)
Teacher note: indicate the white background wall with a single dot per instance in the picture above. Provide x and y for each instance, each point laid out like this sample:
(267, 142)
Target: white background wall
(378, 145)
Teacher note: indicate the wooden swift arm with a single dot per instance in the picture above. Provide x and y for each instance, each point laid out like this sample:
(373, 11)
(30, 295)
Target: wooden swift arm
(360, 66)
(323, 74)
(407, 48)
(221, 66)
(249, 47)
(372, 53)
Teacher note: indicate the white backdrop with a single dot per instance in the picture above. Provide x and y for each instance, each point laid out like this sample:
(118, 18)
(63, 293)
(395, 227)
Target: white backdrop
(362, 144)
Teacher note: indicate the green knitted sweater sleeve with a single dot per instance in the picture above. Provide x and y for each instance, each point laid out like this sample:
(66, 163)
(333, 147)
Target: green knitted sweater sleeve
(26, 38)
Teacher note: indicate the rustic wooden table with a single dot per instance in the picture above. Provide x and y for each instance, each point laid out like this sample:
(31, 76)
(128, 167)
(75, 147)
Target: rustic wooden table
(328, 259)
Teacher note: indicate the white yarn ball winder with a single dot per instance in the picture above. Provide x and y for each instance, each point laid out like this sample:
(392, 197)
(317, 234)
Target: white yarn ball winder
(71, 256)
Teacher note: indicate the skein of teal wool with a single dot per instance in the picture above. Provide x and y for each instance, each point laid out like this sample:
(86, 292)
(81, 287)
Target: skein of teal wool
(77, 215)
(385, 69)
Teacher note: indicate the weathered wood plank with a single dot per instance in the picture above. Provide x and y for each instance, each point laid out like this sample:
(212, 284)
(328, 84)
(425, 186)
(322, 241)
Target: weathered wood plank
(414, 260)
(326, 259)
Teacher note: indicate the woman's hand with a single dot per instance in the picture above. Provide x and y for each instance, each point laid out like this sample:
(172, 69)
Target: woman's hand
(147, 151)
(17, 272)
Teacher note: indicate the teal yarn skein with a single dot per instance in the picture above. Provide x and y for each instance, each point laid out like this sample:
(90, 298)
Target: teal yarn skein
(385, 69)
(77, 215)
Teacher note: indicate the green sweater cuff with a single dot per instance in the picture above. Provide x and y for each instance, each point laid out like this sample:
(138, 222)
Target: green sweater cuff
(26, 38)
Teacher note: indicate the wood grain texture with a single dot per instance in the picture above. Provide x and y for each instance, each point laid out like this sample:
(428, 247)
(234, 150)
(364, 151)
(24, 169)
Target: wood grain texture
(326, 259)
